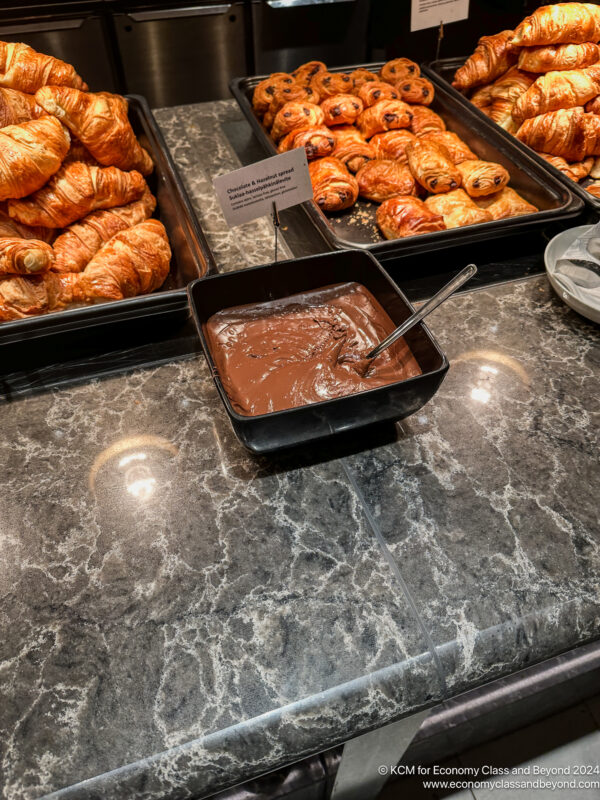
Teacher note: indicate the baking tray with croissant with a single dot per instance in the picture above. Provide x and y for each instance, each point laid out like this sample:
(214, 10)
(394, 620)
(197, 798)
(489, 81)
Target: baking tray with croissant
(386, 149)
(95, 225)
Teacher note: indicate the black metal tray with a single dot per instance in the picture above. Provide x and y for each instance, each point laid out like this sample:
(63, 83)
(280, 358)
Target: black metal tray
(441, 73)
(356, 227)
(191, 259)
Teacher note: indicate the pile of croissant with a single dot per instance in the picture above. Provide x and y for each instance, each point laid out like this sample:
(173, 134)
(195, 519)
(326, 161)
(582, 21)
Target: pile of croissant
(374, 135)
(541, 82)
(75, 209)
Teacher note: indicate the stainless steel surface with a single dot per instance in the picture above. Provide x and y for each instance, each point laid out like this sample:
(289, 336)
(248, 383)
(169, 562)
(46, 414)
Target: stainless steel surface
(438, 298)
(296, 3)
(42, 27)
(174, 55)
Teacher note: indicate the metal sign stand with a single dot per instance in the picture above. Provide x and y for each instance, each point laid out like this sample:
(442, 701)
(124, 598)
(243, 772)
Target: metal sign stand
(439, 41)
(276, 224)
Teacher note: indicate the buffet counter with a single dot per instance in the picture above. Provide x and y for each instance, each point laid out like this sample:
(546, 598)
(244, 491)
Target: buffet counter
(178, 616)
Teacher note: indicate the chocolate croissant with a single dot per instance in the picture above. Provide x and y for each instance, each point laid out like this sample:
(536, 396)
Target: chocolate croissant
(30, 153)
(399, 217)
(306, 72)
(22, 68)
(551, 57)
(318, 142)
(554, 90)
(425, 121)
(431, 166)
(330, 83)
(379, 179)
(575, 171)
(341, 109)
(264, 91)
(568, 132)
(351, 148)
(392, 144)
(481, 178)
(333, 186)
(285, 94)
(24, 256)
(415, 91)
(374, 91)
(399, 68)
(457, 209)
(561, 23)
(455, 147)
(493, 56)
(506, 203)
(296, 115)
(361, 76)
(385, 115)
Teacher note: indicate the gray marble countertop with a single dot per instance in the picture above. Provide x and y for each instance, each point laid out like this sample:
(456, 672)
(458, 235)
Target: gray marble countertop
(177, 615)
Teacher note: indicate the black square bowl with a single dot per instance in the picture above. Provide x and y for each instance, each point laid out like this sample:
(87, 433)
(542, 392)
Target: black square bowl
(281, 429)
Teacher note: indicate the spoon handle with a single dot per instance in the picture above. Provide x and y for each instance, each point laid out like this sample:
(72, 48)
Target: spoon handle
(463, 276)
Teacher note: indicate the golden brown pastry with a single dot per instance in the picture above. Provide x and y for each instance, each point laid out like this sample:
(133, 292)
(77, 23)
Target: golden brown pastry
(29, 154)
(457, 209)
(454, 145)
(77, 152)
(11, 229)
(593, 106)
(594, 189)
(17, 107)
(100, 122)
(24, 256)
(511, 85)
(480, 178)
(306, 72)
(385, 115)
(417, 91)
(296, 115)
(318, 142)
(80, 242)
(425, 121)
(330, 83)
(74, 192)
(374, 91)
(506, 203)
(575, 171)
(399, 68)
(554, 90)
(548, 58)
(264, 91)
(399, 217)
(342, 109)
(333, 186)
(361, 76)
(285, 94)
(431, 166)
(493, 56)
(560, 23)
(351, 148)
(22, 68)
(568, 132)
(379, 179)
(482, 96)
(501, 112)
(595, 170)
(392, 144)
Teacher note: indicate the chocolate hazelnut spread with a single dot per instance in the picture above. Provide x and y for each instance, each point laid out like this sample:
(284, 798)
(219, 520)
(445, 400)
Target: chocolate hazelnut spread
(305, 348)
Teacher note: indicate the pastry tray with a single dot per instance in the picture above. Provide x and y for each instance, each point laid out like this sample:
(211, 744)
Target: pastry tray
(441, 73)
(356, 227)
(191, 257)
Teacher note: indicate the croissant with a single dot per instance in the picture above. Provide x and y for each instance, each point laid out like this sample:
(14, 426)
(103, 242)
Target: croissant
(554, 90)
(593, 106)
(392, 144)
(380, 179)
(407, 216)
(511, 85)
(480, 178)
(306, 72)
(318, 142)
(330, 83)
(385, 115)
(351, 148)
(493, 56)
(78, 244)
(283, 95)
(593, 189)
(22, 68)
(23, 297)
(457, 209)
(576, 171)
(431, 166)
(595, 170)
(296, 115)
(373, 91)
(399, 68)
(24, 256)
(334, 188)
(100, 122)
(17, 107)
(264, 91)
(341, 109)
(416, 91)
(74, 192)
(11, 229)
(548, 58)
(77, 152)
(453, 144)
(501, 112)
(425, 121)
(29, 154)
(506, 203)
(482, 97)
(561, 23)
(361, 76)
(568, 132)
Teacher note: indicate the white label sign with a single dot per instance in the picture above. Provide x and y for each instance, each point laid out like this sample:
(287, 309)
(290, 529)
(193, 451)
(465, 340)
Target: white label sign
(249, 192)
(430, 13)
